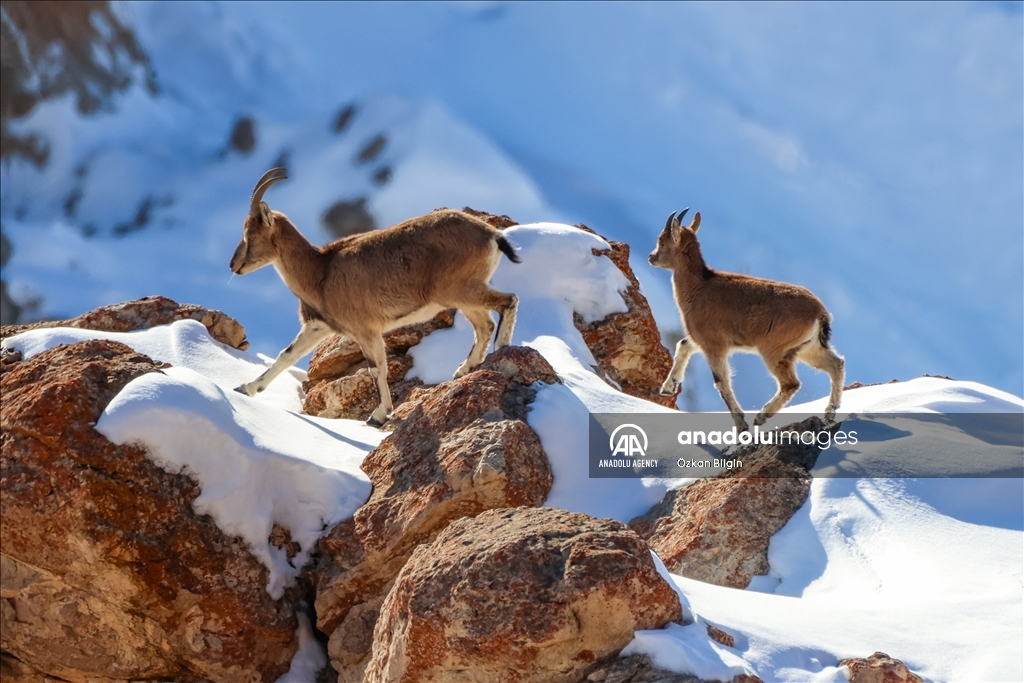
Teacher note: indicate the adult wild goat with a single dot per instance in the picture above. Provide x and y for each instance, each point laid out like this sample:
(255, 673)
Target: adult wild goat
(723, 312)
(364, 285)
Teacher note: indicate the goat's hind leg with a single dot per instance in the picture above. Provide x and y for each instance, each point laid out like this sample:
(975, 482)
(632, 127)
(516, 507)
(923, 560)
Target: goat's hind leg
(784, 371)
(483, 328)
(824, 358)
(722, 374)
(509, 306)
(376, 353)
(684, 349)
(483, 298)
(311, 334)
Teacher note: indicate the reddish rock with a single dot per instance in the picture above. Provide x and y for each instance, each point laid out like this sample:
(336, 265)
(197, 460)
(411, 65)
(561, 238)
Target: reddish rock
(879, 668)
(495, 221)
(335, 356)
(719, 636)
(627, 346)
(107, 572)
(144, 313)
(717, 529)
(637, 669)
(528, 594)
(13, 670)
(458, 449)
(355, 395)
(339, 383)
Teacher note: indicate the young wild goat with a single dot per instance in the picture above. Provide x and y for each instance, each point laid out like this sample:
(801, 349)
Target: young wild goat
(364, 285)
(723, 312)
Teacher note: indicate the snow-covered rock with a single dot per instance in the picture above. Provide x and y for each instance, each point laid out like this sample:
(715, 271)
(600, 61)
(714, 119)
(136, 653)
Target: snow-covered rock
(717, 529)
(108, 569)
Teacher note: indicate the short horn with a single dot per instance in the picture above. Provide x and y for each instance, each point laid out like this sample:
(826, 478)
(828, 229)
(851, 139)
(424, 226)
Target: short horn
(269, 178)
(671, 217)
(682, 213)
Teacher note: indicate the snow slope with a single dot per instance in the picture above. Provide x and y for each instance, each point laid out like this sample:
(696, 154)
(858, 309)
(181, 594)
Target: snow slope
(927, 570)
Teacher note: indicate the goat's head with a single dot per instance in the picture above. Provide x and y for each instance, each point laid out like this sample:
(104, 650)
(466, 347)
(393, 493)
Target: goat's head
(676, 241)
(258, 247)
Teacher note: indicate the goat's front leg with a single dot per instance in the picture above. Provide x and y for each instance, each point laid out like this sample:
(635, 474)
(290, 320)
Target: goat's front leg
(374, 350)
(722, 374)
(684, 349)
(311, 334)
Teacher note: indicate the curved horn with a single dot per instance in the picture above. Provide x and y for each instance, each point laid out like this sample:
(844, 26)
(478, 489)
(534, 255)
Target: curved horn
(269, 178)
(671, 217)
(681, 214)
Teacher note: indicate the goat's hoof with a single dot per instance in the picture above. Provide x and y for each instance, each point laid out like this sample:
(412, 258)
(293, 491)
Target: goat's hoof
(242, 390)
(374, 422)
(760, 420)
(668, 389)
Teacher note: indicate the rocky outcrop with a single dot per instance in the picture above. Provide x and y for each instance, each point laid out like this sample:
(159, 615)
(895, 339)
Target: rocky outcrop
(144, 313)
(637, 669)
(531, 594)
(717, 529)
(339, 382)
(458, 449)
(106, 570)
(879, 668)
(627, 346)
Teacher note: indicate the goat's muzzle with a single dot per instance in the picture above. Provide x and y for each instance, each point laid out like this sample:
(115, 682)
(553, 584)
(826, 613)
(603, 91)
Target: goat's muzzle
(238, 259)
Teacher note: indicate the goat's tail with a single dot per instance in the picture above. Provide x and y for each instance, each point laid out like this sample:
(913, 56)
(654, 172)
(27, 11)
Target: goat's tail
(507, 249)
(824, 330)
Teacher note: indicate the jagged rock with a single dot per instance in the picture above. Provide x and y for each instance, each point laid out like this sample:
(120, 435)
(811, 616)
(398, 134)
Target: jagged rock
(355, 396)
(458, 449)
(339, 383)
(528, 594)
(717, 529)
(140, 314)
(8, 357)
(627, 346)
(637, 669)
(495, 221)
(13, 670)
(719, 636)
(107, 571)
(879, 668)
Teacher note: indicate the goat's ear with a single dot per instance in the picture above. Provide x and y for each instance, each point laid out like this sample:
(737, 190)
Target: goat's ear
(265, 215)
(695, 223)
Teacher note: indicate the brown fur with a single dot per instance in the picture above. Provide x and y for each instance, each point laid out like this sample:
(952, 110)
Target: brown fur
(723, 312)
(364, 285)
